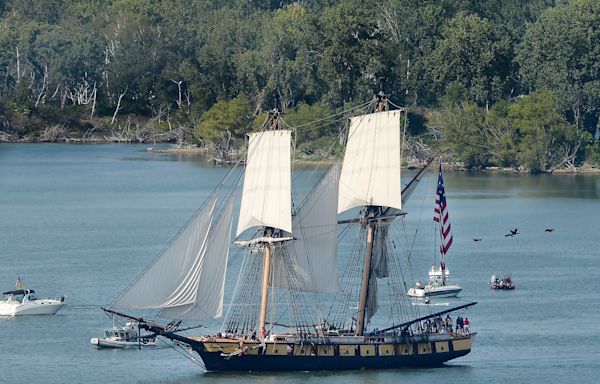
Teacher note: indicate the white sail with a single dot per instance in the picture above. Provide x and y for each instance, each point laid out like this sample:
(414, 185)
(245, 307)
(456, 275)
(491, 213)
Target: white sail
(172, 278)
(211, 277)
(267, 192)
(371, 170)
(312, 256)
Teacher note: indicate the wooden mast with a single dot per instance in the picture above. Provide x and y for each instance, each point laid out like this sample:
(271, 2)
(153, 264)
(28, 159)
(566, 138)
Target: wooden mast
(275, 114)
(371, 211)
(265, 286)
(364, 286)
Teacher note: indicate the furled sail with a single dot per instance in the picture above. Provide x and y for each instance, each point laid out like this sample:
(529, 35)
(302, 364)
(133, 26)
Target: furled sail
(379, 268)
(211, 277)
(267, 192)
(372, 304)
(172, 278)
(311, 258)
(371, 171)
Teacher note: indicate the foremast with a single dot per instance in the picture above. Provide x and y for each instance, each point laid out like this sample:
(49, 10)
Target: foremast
(267, 251)
(266, 198)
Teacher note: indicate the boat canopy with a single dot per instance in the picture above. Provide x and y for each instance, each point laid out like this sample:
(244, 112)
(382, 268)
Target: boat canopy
(19, 292)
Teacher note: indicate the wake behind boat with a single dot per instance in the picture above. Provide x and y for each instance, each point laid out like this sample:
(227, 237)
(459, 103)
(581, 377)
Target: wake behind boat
(23, 301)
(289, 310)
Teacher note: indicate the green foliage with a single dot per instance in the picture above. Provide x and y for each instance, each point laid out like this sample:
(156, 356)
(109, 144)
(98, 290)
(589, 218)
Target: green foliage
(463, 128)
(224, 125)
(317, 139)
(475, 54)
(178, 60)
(561, 53)
(542, 130)
(531, 132)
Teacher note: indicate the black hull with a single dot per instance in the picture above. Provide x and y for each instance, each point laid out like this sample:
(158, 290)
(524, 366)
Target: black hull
(216, 361)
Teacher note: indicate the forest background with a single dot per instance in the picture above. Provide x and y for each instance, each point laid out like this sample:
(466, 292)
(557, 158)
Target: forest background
(504, 83)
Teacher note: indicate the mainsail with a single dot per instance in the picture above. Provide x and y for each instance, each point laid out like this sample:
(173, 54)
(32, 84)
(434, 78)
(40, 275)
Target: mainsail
(312, 256)
(173, 278)
(371, 171)
(370, 178)
(267, 192)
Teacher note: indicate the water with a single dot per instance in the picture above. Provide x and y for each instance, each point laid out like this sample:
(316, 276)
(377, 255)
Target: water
(82, 221)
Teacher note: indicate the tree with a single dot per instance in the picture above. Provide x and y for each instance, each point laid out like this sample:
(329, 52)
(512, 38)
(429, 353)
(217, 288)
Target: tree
(463, 129)
(561, 53)
(350, 63)
(224, 124)
(476, 54)
(545, 139)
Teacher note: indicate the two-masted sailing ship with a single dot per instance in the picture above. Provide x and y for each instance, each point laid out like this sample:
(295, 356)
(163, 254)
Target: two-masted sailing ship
(290, 308)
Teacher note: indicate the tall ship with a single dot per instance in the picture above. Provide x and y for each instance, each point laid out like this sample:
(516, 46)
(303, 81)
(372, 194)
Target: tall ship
(290, 309)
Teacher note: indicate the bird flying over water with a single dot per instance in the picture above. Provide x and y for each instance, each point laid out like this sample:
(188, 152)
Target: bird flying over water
(477, 239)
(549, 229)
(512, 232)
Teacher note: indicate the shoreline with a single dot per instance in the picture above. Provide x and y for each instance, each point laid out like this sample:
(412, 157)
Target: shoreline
(588, 170)
(196, 151)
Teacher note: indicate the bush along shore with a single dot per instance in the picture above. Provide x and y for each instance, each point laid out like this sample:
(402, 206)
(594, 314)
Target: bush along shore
(171, 143)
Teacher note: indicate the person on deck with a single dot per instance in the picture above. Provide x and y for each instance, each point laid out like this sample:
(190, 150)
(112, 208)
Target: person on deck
(466, 325)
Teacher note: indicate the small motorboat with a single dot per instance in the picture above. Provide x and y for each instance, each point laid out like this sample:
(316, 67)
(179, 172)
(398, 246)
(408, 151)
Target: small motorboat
(128, 336)
(24, 302)
(504, 283)
(437, 287)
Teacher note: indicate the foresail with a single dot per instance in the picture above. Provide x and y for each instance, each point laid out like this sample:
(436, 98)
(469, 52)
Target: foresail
(371, 170)
(311, 258)
(267, 192)
(171, 279)
(211, 279)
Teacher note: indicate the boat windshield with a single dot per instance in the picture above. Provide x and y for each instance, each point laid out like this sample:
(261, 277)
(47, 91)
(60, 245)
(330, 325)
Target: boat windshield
(111, 333)
(11, 297)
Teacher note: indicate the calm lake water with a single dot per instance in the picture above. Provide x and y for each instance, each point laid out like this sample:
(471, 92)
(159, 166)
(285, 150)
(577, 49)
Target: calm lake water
(83, 221)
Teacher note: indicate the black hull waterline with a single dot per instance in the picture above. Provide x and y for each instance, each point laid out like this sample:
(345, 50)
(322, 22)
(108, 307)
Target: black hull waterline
(214, 362)
(427, 354)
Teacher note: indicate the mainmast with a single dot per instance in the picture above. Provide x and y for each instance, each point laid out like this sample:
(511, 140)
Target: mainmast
(371, 213)
(366, 275)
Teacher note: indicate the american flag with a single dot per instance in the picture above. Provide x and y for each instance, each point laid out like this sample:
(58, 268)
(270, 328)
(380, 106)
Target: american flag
(441, 216)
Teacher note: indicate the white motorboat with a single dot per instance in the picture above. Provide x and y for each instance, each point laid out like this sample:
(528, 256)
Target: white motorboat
(437, 287)
(24, 302)
(124, 337)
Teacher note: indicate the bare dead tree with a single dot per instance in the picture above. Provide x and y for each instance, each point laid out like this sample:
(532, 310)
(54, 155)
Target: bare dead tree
(18, 66)
(42, 92)
(118, 105)
(6, 137)
(53, 134)
(188, 99)
(95, 91)
(178, 101)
